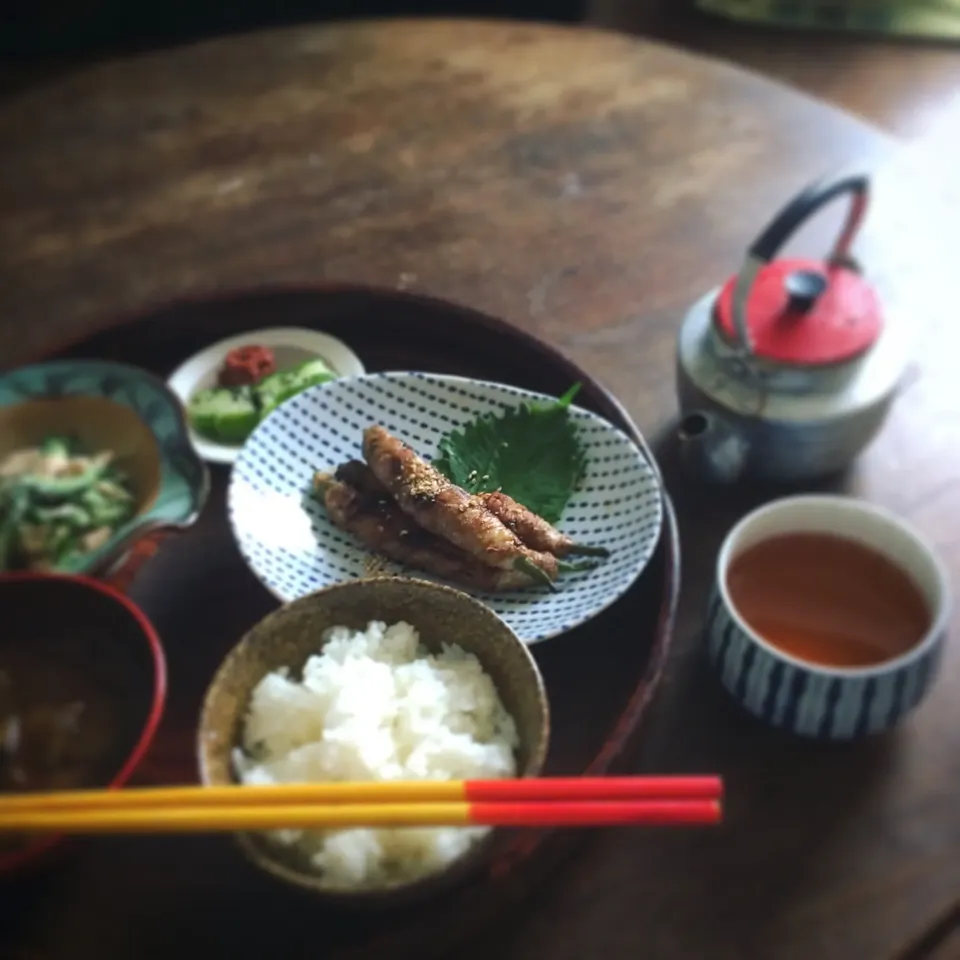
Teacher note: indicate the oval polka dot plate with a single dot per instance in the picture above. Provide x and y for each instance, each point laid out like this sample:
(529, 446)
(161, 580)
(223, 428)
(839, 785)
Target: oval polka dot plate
(287, 539)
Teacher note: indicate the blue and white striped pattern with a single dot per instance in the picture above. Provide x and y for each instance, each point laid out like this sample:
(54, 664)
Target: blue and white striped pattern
(811, 702)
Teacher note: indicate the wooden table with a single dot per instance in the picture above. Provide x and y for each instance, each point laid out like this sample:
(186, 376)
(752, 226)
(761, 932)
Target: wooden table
(587, 187)
(904, 86)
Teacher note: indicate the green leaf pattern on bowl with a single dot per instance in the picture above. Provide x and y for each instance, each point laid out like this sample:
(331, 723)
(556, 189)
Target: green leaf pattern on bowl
(185, 480)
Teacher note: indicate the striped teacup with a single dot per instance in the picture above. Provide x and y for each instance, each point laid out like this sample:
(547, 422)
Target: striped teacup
(807, 698)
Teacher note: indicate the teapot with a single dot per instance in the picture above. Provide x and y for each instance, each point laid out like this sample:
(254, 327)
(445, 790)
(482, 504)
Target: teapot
(787, 372)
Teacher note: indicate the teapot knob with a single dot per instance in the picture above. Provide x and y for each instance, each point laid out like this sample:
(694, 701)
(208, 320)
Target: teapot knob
(804, 287)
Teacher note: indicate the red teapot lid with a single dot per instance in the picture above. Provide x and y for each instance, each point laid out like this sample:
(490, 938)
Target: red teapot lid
(805, 313)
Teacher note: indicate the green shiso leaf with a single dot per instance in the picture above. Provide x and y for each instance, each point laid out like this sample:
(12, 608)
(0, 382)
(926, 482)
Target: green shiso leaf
(531, 452)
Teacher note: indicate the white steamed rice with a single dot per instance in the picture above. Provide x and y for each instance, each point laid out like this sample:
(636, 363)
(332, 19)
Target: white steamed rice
(375, 705)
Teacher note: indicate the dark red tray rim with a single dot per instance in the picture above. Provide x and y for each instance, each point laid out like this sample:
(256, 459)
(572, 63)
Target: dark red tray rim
(624, 734)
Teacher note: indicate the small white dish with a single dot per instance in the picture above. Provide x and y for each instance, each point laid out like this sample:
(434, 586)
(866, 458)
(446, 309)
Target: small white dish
(291, 545)
(291, 345)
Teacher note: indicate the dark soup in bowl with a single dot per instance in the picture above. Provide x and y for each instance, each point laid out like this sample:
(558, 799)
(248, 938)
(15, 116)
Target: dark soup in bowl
(59, 727)
(82, 680)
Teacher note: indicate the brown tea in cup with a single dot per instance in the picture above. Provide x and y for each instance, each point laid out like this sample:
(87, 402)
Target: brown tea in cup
(827, 600)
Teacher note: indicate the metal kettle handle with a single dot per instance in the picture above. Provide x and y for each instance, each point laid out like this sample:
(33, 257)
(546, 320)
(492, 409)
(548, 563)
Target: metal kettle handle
(783, 226)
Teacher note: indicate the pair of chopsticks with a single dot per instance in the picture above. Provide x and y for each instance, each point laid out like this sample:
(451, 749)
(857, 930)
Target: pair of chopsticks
(543, 802)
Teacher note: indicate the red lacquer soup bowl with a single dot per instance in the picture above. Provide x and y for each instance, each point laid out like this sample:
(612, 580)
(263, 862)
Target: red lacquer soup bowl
(82, 689)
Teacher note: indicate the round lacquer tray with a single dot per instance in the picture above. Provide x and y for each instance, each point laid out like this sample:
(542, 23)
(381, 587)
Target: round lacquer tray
(170, 893)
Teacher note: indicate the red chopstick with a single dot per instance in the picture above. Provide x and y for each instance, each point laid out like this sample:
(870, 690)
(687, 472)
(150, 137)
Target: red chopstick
(589, 813)
(595, 788)
(338, 816)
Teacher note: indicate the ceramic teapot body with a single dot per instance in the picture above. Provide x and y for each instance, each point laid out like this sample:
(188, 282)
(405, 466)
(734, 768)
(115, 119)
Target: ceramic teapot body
(797, 389)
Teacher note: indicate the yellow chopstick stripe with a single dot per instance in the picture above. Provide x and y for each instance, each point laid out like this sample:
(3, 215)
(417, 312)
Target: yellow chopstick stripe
(205, 819)
(397, 791)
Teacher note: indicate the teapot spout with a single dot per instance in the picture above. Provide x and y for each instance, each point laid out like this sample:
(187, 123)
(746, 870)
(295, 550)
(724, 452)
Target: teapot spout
(711, 449)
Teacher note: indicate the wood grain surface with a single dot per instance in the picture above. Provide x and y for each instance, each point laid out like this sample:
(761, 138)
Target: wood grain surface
(586, 187)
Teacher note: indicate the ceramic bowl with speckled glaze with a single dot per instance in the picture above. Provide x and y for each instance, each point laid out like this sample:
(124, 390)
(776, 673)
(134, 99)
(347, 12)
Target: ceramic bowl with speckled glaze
(288, 636)
(117, 407)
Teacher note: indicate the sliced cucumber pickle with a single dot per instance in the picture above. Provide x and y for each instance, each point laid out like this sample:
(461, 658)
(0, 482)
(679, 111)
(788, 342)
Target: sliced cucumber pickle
(284, 384)
(224, 414)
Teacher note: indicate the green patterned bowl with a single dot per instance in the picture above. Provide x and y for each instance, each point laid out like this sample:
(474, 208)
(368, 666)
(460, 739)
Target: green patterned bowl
(108, 405)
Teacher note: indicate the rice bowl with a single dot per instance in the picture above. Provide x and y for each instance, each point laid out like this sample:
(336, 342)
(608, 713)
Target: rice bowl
(322, 690)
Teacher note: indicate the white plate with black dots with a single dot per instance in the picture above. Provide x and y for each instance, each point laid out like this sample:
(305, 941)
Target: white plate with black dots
(286, 536)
